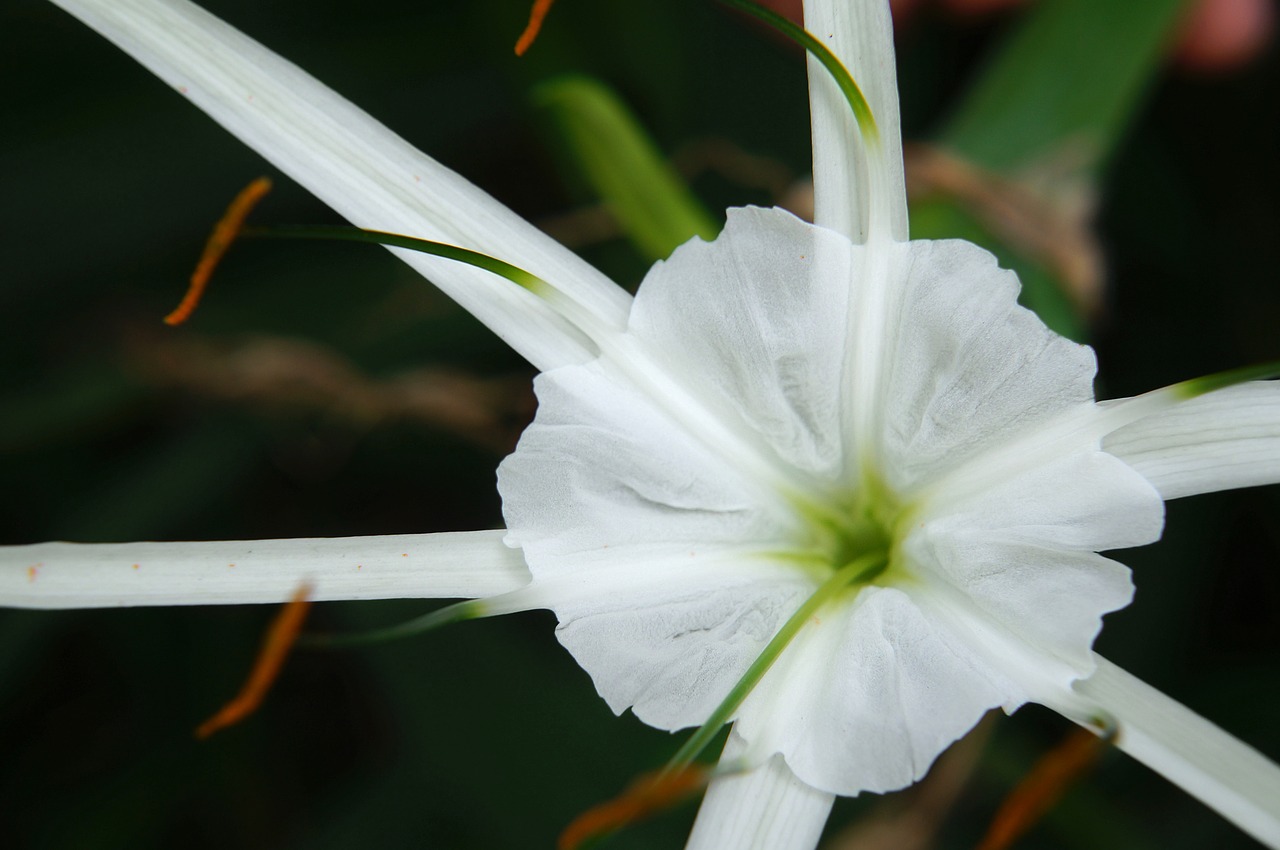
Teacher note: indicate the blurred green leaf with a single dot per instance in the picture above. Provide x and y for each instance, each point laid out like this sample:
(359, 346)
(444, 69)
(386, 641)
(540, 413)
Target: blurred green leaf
(1070, 74)
(623, 165)
(163, 484)
(1048, 110)
(75, 403)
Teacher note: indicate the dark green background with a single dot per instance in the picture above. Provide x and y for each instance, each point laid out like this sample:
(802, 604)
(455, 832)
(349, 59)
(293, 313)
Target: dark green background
(487, 735)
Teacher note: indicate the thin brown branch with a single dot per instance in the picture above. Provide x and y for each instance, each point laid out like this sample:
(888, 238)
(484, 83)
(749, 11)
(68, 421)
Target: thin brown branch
(282, 375)
(1044, 213)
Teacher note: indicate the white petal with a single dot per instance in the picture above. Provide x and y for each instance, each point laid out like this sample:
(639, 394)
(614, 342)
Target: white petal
(758, 316)
(1032, 539)
(965, 367)
(766, 808)
(869, 694)
(670, 636)
(1010, 585)
(651, 541)
(414, 566)
(1086, 501)
(1218, 441)
(361, 169)
(648, 544)
(1083, 426)
(601, 469)
(640, 539)
(1222, 771)
(861, 35)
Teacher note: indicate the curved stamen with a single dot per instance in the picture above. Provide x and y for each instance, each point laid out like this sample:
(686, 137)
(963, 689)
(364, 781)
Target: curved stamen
(281, 637)
(515, 274)
(1042, 787)
(224, 233)
(536, 16)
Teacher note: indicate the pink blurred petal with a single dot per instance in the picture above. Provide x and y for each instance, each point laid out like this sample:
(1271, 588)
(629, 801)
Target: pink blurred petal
(1221, 35)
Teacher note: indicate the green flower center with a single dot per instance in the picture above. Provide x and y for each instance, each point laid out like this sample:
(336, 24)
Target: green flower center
(861, 528)
(851, 548)
(862, 539)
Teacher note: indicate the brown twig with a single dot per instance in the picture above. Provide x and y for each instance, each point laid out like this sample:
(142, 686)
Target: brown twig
(288, 375)
(1044, 213)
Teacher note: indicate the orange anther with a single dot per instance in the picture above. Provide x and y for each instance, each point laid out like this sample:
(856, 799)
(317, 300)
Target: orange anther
(279, 640)
(648, 795)
(224, 233)
(530, 34)
(1041, 788)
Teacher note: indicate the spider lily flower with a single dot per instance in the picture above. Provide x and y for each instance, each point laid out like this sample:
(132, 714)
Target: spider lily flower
(826, 482)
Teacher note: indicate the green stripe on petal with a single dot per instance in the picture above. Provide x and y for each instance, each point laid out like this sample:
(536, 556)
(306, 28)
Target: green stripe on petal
(848, 86)
(1219, 441)
(515, 274)
(858, 188)
(1221, 380)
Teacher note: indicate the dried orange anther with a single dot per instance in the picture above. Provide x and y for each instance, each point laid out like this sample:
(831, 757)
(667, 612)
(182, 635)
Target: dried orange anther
(224, 233)
(530, 34)
(1041, 788)
(275, 649)
(648, 795)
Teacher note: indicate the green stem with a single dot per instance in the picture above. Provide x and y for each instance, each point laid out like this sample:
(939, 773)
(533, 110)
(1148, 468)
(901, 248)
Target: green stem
(858, 570)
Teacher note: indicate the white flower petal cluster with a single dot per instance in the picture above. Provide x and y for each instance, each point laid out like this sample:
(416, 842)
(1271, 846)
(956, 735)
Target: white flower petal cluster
(672, 554)
(790, 415)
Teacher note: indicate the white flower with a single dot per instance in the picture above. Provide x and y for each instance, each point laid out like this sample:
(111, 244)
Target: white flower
(823, 432)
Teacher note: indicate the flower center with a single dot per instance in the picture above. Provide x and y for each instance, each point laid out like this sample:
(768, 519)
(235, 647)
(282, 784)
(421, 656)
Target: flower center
(854, 574)
(863, 538)
(853, 547)
(860, 530)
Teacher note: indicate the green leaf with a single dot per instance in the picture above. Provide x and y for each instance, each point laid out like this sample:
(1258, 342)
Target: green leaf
(623, 166)
(68, 405)
(1070, 74)
(164, 484)
(1047, 111)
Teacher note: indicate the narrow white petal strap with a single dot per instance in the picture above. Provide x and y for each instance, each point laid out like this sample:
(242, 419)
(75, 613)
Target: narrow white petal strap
(106, 575)
(361, 169)
(1220, 441)
(1222, 771)
(860, 33)
(766, 808)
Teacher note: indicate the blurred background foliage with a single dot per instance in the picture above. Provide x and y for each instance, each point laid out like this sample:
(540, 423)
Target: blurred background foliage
(326, 390)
